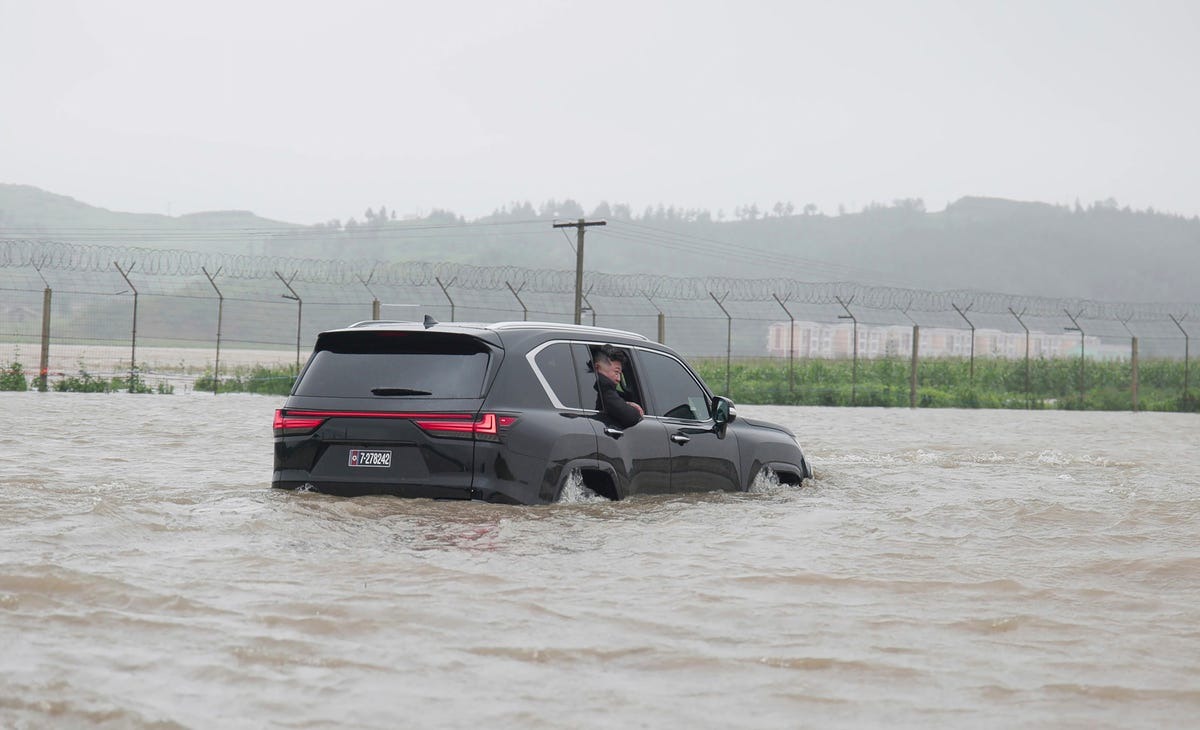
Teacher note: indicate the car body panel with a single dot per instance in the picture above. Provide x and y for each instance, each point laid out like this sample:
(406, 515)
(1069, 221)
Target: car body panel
(639, 456)
(540, 393)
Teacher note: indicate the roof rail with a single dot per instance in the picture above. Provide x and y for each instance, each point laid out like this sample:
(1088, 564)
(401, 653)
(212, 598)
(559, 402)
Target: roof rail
(369, 322)
(580, 328)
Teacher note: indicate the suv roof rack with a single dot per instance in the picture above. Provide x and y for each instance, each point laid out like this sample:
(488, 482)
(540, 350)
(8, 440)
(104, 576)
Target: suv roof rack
(503, 326)
(580, 328)
(370, 322)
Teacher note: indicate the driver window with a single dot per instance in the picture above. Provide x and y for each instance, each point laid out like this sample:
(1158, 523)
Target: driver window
(675, 393)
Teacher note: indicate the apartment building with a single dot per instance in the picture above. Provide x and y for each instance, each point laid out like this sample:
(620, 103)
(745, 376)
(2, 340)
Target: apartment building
(831, 341)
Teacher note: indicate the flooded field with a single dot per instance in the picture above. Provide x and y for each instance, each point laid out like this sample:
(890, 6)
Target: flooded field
(174, 366)
(945, 568)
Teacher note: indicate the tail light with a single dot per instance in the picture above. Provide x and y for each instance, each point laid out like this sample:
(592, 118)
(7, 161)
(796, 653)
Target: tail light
(288, 424)
(488, 427)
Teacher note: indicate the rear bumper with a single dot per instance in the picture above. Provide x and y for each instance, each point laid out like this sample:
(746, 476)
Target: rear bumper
(301, 481)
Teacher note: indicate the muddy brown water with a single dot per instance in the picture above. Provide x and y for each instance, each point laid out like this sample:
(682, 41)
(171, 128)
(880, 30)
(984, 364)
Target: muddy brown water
(944, 568)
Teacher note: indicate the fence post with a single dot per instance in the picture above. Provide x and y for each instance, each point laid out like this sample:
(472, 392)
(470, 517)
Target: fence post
(133, 336)
(517, 293)
(588, 307)
(1078, 329)
(1133, 354)
(912, 378)
(220, 318)
(728, 335)
(963, 313)
(662, 321)
(1186, 348)
(44, 361)
(1133, 363)
(791, 343)
(374, 298)
(916, 349)
(854, 333)
(299, 311)
(1028, 395)
(445, 287)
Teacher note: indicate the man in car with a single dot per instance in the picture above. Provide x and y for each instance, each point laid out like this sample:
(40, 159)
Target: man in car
(609, 362)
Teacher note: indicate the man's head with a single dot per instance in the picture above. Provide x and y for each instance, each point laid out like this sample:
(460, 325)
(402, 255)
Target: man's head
(609, 362)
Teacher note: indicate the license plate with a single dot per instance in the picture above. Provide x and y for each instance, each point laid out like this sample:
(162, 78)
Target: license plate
(363, 457)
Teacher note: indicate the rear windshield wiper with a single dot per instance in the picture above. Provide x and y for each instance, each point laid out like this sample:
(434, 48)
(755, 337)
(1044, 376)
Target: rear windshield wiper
(398, 391)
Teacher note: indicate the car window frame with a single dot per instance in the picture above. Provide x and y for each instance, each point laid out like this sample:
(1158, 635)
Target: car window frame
(531, 358)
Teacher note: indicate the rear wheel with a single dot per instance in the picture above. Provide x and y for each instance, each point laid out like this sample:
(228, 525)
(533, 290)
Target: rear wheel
(586, 485)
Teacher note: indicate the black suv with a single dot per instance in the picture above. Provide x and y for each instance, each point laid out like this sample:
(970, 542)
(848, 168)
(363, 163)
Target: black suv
(506, 412)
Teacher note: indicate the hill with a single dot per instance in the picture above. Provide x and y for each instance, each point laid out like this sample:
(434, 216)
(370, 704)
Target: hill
(1100, 251)
(29, 212)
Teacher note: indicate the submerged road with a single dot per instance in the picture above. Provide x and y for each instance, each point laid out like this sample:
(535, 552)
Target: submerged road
(945, 568)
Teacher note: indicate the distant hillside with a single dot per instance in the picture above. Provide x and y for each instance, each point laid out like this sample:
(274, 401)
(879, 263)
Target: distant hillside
(29, 212)
(1099, 251)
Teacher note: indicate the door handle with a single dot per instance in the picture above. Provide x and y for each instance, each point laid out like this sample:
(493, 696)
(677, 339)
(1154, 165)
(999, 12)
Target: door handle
(614, 432)
(680, 438)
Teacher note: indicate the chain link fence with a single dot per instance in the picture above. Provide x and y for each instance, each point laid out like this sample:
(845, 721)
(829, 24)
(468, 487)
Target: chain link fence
(184, 320)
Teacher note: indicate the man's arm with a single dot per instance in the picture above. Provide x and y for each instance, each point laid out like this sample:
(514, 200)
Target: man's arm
(622, 413)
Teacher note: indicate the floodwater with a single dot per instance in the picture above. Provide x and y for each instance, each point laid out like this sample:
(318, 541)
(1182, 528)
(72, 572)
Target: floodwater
(944, 568)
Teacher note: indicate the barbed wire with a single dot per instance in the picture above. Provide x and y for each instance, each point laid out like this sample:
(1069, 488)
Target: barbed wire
(77, 257)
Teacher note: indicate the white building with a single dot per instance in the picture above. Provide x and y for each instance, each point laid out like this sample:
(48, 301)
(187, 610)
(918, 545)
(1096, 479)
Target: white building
(832, 341)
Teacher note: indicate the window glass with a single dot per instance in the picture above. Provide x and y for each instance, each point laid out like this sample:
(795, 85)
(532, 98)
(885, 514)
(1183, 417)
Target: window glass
(586, 376)
(396, 365)
(558, 368)
(675, 393)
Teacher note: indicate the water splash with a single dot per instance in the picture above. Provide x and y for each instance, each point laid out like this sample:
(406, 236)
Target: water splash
(767, 482)
(574, 491)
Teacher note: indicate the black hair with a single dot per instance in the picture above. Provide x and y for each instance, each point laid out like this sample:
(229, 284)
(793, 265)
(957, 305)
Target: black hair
(608, 352)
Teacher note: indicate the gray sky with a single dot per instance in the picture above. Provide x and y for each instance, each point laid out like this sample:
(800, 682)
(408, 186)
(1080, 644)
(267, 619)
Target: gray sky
(306, 111)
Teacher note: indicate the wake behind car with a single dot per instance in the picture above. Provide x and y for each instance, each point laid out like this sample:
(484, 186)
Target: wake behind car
(506, 412)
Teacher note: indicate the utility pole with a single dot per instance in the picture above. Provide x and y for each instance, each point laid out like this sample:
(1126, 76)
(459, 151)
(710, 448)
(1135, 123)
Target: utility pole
(579, 227)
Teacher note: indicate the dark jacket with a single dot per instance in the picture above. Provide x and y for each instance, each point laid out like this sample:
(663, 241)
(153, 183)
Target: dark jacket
(610, 402)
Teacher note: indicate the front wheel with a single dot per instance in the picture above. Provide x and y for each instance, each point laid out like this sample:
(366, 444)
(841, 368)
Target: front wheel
(770, 479)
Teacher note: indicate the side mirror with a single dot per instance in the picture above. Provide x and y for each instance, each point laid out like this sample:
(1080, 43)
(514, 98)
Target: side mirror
(723, 414)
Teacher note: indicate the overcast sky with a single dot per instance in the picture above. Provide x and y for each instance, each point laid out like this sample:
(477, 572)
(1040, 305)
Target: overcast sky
(305, 111)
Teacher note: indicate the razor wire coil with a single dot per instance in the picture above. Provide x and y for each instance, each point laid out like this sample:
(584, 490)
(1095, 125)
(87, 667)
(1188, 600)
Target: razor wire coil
(79, 257)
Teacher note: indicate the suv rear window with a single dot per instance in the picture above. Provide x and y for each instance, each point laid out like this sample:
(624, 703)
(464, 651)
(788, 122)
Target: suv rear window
(396, 364)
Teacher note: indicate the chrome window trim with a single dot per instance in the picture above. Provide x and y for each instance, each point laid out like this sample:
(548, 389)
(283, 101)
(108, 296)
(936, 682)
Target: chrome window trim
(531, 356)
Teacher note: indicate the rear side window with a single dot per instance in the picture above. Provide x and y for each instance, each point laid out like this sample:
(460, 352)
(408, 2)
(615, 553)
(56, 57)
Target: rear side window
(557, 366)
(396, 365)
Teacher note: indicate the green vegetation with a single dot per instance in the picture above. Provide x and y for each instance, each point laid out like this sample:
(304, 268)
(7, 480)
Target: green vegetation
(13, 377)
(259, 379)
(85, 382)
(947, 384)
